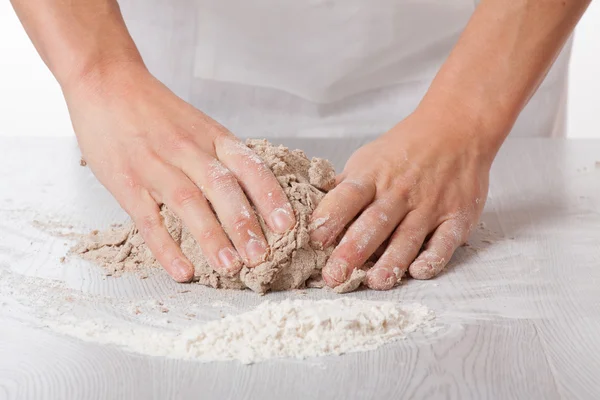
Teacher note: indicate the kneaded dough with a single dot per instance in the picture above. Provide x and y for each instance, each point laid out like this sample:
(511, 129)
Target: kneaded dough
(292, 261)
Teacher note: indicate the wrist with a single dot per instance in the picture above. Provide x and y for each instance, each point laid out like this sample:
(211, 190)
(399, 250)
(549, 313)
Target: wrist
(467, 122)
(106, 76)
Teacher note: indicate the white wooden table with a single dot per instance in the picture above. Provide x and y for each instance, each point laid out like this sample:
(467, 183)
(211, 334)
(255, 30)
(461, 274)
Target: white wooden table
(518, 314)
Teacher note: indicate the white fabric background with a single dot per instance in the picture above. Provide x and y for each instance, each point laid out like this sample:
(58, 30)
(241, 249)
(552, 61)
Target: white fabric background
(31, 103)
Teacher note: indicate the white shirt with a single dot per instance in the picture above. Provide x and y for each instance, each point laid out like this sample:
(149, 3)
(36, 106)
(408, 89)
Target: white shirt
(311, 68)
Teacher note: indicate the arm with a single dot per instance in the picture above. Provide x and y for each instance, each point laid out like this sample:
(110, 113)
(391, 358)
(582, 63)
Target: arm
(77, 38)
(148, 147)
(424, 183)
(500, 60)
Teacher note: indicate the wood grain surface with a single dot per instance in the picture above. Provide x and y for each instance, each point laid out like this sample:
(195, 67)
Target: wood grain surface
(518, 312)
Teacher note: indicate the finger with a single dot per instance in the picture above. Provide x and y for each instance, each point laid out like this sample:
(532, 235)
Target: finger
(338, 208)
(438, 250)
(187, 201)
(221, 188)
(362, 239)
(403, 248)
(147, 218)
(227, 198)
(258, 182)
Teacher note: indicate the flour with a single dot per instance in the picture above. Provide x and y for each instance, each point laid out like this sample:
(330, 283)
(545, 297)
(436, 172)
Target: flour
(288, 329)
(189, 325)
(292, 262)
(301, 329)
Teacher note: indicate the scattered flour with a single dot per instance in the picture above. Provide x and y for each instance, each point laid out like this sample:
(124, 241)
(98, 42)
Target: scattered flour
(287, 329)
(292, 328)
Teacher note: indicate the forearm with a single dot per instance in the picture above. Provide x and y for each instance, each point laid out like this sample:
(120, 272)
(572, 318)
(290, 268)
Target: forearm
(499, 61)
(76, 38)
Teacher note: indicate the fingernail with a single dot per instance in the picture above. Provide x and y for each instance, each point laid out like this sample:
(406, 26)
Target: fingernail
(230, 261)
(337, 271)
(281, 220)
(380, 279)
(182, 271)
(255, 251)
(320, 236)
(427, 268)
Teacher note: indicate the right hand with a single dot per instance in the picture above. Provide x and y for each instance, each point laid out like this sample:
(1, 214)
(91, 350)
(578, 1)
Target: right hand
(149, 147)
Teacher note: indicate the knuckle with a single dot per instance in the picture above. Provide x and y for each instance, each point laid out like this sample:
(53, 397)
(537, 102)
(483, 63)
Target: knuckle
(352, 189)
(130, 183)
(455, 235)
(219, 176)
(185, 196)
(447, 243)
(149, 224)
(455, 241)
(413, 240)
(179, 142)
(352, 250)
(210, 233)
(358, 253)
(411, 235)
(241, 224)
(221, 134)
(378, 213)
(142, 153)
(221, 137)
(223, 182)
(125, 176)
(404, 191)
(359, 238)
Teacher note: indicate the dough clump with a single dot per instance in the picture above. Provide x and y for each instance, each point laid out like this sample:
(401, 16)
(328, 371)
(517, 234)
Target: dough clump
(292, 262)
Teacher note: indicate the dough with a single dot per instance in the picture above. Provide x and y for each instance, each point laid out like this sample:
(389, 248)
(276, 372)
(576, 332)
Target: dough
(292, 262)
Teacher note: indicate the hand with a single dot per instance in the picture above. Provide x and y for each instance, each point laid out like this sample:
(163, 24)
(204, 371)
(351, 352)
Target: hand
(148, 147)
(423, 182)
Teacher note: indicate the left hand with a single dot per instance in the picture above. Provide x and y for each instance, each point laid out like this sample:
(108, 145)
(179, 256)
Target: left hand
(423, 182)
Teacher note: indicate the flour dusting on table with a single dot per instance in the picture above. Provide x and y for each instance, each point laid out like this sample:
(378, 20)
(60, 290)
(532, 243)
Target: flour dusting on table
(287, 329)
(292, 328)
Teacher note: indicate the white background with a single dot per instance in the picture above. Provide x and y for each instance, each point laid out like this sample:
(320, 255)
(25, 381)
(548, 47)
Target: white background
(31, 101)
